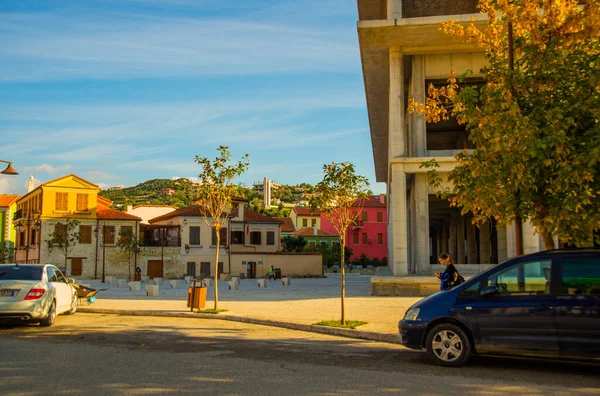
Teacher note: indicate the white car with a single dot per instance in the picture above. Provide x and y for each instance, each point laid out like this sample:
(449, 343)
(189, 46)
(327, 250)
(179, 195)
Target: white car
(35, 292)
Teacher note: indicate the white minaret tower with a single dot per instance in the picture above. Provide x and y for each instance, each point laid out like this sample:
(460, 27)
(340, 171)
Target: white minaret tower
(30, 184)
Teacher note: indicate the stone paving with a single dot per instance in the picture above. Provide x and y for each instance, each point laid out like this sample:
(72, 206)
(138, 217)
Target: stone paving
(306, 301)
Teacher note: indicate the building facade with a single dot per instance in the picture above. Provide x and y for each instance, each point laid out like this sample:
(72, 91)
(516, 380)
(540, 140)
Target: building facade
(402, 52)
(368, 235)
(305, 217)
(8, 206)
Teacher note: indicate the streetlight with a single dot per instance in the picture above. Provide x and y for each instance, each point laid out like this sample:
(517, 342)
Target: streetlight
(112, 234)
(9, 169)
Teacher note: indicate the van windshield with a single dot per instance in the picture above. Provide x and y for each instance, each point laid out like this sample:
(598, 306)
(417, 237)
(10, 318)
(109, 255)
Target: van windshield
(19, 272)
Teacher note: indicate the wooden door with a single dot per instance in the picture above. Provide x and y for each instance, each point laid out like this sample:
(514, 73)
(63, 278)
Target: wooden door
(251, 270)
(155, 269)
(76, 266)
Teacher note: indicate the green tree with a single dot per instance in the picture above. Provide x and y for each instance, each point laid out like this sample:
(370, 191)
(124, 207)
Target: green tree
(128, 242)
(535, 121)
(64, 237)
(334, 196)
(293, 244)
(215, 194)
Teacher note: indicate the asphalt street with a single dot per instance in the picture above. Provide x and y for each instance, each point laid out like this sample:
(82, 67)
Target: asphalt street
(122, 355)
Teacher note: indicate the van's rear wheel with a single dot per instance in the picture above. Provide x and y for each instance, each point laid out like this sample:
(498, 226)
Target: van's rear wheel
(448, 345)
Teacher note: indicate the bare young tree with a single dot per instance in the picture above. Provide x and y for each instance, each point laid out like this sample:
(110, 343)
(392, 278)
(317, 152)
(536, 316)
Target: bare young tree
(340, 196)
(215, 194)
(64, 238)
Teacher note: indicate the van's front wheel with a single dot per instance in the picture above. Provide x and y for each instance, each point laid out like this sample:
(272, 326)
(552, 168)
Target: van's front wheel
(448, 345)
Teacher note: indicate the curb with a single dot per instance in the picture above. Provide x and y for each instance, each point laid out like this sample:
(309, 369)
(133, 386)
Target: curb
(349, 333)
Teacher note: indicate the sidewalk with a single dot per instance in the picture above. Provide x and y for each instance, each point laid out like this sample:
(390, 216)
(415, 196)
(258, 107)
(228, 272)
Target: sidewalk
(298, 306)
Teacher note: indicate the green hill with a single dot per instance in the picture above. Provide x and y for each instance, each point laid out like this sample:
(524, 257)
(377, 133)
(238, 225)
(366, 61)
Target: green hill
(179, 193)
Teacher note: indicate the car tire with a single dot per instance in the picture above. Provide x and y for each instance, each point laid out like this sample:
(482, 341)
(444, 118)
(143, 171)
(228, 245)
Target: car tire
(49, 320)
(74, 305)
(448, 345)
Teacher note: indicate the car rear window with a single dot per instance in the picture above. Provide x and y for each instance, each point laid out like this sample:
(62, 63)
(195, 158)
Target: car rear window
(21, 273)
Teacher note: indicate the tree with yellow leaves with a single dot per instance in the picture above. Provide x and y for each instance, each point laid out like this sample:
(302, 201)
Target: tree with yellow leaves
(535, 120)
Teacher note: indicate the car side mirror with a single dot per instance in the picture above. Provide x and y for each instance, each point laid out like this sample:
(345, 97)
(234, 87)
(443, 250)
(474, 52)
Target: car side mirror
(489, 291)
(70, 280)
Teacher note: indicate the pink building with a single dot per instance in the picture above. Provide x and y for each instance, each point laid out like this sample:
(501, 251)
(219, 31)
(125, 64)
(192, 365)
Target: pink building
(369, 235)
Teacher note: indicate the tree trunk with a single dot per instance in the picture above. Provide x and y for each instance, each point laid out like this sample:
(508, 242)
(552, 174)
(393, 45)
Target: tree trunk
(217, 229)
(343, 291)
(548, 240)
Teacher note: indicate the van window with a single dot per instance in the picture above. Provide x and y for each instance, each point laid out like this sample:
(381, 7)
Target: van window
(581, 275)
(529, 278)
(471, 291)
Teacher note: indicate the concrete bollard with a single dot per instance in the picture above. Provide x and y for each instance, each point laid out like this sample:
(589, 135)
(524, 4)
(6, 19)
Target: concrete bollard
(158, 281)
(285, 281)
(176, 283)
(145, 278)
(108, 280)
(262, 282)
(121, 282)
(233, 285)
(207, 282)
(134, 286)
(188, 279)
(236, 279)
(151, 290)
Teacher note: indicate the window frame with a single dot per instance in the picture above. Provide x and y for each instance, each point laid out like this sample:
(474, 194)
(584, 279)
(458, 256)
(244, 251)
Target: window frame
(271, 238)
(61, 198)
(85, 234)
(253, 238)
(84, 200)
(190, 239)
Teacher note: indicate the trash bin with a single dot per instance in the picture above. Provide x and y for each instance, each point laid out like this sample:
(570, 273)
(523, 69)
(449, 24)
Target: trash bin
(277, 273)
(199, 297)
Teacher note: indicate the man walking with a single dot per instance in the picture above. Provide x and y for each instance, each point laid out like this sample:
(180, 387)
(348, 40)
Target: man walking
(271, 273)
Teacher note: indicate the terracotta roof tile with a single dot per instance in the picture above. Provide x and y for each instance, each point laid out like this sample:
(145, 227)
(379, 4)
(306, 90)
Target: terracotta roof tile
(7, 199)
(371, 202)
(310, 232)
(250, 215)
(193, 210)
(106, 213)
(288, 224)
(301, 210)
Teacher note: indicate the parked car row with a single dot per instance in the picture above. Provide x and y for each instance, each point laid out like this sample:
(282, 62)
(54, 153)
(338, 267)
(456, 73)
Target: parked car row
(35, 293)
(545, 304)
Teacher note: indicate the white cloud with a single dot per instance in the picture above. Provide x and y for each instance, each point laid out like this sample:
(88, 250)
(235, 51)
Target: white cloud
(99, 175)
(50, 46)
(49, 169)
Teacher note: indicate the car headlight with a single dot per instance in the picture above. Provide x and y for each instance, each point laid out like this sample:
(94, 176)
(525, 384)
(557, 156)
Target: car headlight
(412, 314)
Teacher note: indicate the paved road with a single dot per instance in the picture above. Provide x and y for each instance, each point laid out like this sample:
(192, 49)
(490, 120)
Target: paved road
(108, 354)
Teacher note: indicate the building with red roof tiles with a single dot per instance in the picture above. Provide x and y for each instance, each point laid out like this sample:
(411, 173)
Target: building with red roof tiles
(249, 244)
(8, 206)
(305, 217)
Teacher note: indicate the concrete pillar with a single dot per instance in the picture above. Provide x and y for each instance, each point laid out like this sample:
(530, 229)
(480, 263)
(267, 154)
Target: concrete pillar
(452, 236)
(511, 249)
(398, 211)
(532, 241)
(444, 235)
(421, 221)
(390, 234)
(471, 242)
(396, 138)
(394, 9)
(460, 253)
(502, 242)
(485, 245)
(418, 131)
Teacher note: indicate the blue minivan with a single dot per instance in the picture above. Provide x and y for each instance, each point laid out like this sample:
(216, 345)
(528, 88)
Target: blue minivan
(545, 304)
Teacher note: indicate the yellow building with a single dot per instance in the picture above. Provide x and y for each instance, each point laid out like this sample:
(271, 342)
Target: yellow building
(305, 217)
(47, 208)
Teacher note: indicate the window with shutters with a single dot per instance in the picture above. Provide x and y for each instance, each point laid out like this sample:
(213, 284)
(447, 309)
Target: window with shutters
(109, 235)
(380, 217)
(365, 216)
(323, 244)
(313, 222)
(255, 237)
(82, 202)
(355, 238)
(364, 238)
(380, 239)
(270, 238)
(222, 237)
(126, 234)
(61, 231)
(237, 237)
(62, 201)
(195, 236)
(85, 234)
(304, 222)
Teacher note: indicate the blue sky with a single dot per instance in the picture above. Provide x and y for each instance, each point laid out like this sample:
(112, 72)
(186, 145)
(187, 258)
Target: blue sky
(123, 91)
